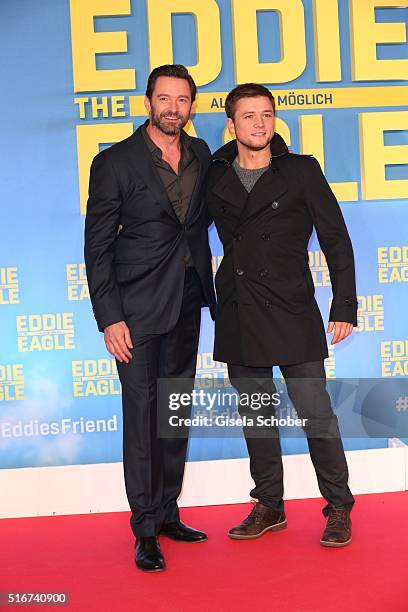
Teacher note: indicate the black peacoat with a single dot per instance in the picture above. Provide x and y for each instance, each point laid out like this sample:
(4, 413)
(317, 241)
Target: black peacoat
(267, 314)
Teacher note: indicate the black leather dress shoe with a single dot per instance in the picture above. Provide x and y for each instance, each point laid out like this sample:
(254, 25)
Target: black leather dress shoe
(182, 533)
(148, 555)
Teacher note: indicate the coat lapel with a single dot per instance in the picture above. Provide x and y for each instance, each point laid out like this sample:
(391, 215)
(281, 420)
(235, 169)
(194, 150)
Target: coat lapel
(203, 163)
(144, 167)
(230, 189)
(266, 190)
(147, 171)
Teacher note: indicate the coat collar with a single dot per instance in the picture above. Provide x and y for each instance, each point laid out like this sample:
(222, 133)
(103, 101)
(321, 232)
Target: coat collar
(268, 188)
(229, 151)
(143, 165)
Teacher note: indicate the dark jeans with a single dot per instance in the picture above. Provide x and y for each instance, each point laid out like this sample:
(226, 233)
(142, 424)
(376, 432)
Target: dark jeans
(306, 386)
(154, 466)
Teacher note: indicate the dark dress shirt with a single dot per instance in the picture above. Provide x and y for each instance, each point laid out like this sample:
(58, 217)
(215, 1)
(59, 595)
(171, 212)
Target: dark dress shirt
(179, 187)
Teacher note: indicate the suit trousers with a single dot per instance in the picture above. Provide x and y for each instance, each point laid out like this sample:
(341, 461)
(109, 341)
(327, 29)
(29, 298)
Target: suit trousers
(306, 387)
(154, 466)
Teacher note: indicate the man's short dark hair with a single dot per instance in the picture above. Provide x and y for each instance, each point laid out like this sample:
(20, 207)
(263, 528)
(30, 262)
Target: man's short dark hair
(246, 90)
(176, 71)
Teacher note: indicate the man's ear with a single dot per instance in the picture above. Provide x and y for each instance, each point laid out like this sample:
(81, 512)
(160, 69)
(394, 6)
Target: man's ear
(147, 104)
(231, 126)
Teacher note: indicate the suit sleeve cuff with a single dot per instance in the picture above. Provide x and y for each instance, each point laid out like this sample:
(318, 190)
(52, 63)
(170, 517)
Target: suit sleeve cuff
(106, 320)
(346, 312)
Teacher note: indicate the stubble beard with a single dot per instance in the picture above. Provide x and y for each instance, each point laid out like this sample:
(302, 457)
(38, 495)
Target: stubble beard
(158, 121)
(252, 146)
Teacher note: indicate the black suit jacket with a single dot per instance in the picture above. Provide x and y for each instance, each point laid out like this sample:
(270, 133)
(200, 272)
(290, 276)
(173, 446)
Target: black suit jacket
(137, 275)
(266, 311)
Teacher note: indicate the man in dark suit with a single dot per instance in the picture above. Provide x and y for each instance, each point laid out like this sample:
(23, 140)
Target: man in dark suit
(149, 272)
(265, 203)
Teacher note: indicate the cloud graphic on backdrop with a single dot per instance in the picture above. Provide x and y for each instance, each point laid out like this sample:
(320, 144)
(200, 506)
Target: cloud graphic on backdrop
(28, 436)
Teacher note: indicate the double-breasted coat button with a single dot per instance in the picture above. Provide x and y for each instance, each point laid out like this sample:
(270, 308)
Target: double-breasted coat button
(239, 271)
(223, 209)
(268, 304)
(263, 273)
(238, 237)
(266, 236)
(275, 205)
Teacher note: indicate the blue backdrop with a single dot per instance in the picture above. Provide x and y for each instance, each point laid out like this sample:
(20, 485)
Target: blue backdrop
(59, 391)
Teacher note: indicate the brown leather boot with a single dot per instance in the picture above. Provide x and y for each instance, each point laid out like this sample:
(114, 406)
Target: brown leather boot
(260, 520)
(338, 528)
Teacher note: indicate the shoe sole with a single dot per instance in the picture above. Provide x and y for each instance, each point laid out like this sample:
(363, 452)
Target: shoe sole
(276, 527)
(150, 571)
(335, 544)
(184, 541)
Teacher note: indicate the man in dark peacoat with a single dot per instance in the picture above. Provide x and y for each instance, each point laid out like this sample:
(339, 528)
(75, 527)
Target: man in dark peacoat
(149, 271)
(265, 202)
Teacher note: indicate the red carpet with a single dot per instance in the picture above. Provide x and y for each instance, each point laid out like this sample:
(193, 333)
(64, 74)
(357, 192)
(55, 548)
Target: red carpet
(90, 557)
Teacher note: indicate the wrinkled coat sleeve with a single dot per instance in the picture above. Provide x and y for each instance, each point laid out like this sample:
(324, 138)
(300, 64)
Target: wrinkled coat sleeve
(101, 226)
(335, 242)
